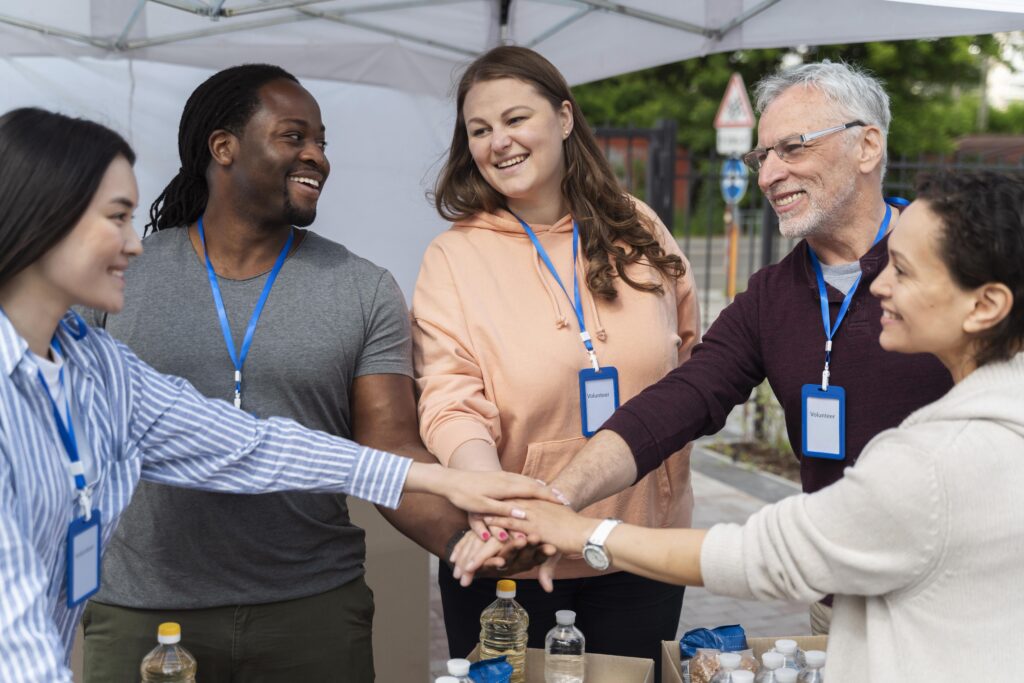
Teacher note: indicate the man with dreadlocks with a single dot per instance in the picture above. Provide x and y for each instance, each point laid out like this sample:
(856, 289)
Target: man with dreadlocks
(232, 294)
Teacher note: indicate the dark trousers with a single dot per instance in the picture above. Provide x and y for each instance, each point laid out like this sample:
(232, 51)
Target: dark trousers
(324, 638)
(619, 613)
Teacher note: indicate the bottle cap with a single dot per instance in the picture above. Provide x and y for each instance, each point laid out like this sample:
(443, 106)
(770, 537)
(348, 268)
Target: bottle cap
(168, 633)
(565, 617)
(742, 676)
(815, 659)
(773, 660)
(729, 660)
(785, 646)
(448, 679)
(458, 667)
(506, 588)
(785, 675)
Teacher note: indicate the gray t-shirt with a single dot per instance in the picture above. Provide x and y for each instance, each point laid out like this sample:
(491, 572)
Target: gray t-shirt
(841, 276)
(331, 317)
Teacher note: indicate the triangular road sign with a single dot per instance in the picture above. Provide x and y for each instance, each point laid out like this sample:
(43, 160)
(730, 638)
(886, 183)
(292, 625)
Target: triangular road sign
(735, 110)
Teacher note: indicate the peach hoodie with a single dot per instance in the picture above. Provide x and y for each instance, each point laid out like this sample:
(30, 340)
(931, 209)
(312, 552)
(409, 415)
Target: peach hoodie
(497, 354)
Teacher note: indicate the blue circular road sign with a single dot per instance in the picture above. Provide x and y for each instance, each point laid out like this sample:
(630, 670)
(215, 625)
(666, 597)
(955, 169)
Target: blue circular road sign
(734, 180)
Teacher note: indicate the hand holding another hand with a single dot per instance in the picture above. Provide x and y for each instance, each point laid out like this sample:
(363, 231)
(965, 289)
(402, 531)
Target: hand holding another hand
(548, 522)
(473, 557)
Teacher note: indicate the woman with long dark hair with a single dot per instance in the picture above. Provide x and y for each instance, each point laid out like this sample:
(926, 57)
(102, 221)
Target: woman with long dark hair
(554, 296)
(82, 419)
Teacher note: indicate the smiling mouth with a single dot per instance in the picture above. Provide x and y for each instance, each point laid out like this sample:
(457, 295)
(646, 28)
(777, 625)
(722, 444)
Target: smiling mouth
(889, 315)
(302, 180)
(788, 199)
(514, 161)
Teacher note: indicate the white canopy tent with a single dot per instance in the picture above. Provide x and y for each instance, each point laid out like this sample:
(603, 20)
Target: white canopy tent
(416, 45)
(132, 63)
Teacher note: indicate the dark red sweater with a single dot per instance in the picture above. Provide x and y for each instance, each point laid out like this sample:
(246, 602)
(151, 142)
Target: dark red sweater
(774, 331)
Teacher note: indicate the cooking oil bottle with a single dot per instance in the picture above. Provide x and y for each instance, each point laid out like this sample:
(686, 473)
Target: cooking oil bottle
(503, 628)
(169, 662)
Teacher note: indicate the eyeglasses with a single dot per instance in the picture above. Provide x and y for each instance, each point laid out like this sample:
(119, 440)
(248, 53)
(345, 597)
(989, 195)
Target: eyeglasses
(792, 148)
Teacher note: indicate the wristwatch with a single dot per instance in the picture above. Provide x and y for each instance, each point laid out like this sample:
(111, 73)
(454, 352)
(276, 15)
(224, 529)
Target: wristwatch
(594, 552)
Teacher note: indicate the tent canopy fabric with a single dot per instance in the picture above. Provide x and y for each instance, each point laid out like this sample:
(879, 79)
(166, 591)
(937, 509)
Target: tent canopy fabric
(421, 45)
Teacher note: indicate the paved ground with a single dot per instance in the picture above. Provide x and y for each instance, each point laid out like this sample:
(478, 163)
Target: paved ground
(716, 501)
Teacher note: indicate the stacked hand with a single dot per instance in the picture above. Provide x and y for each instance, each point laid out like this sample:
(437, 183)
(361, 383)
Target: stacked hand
(540, 527)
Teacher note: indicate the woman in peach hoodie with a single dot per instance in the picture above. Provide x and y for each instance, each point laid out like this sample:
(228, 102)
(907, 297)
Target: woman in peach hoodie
(517, 366)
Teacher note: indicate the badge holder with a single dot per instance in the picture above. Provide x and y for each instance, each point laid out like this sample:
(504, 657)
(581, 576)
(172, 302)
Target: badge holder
(83, 558)
(824, 422)
(599, 397)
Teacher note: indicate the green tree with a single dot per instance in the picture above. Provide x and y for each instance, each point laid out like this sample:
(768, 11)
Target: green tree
(934, 86)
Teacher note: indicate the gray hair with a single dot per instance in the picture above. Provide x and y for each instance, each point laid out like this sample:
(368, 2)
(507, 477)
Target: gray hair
(853, 91)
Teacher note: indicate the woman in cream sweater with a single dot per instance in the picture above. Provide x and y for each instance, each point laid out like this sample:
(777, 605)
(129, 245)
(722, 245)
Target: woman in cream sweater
(553, 293)
(921, 540)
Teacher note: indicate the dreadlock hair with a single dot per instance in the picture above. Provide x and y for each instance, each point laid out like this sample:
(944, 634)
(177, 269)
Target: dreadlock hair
(613, 233)
(224, 101)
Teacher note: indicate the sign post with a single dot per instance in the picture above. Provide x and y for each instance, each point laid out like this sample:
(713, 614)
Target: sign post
(734, 124)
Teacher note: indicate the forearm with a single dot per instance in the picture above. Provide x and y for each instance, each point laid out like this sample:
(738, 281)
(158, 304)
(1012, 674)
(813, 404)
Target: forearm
(475, 455)
(428, 520)
(668, 555)
(604, 467)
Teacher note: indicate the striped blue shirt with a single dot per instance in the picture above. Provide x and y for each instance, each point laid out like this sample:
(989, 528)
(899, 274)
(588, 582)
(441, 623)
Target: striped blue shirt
(139, 424)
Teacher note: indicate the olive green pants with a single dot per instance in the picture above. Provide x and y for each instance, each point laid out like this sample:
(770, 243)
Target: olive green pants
(325, 638)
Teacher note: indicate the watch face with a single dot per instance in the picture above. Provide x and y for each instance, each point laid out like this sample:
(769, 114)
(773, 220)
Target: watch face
(596, 557)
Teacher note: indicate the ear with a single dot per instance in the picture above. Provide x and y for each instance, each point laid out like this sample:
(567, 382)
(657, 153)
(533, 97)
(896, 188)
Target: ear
(223, 147)
(993, 302)
(871, 149)
(565, 118)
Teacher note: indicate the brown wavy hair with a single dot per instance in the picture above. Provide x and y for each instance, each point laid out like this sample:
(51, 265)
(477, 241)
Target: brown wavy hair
(605, 213)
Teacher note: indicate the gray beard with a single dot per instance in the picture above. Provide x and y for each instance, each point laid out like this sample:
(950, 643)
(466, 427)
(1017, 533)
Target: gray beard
(822, 219)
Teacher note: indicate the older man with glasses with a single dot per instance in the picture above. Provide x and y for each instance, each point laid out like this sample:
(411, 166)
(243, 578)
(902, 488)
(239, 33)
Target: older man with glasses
(806, 324)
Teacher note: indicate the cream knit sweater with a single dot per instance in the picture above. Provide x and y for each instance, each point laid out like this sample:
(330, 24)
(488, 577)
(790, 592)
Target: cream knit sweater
(922, 542)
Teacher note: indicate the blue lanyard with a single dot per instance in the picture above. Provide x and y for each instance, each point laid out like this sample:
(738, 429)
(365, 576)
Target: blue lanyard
(238, 359)
(575, 300)
(66, 430)
(830, 330)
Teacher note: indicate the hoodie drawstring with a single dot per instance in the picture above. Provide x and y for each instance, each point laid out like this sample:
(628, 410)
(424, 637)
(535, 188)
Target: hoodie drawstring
(599, 331)
(560, 318)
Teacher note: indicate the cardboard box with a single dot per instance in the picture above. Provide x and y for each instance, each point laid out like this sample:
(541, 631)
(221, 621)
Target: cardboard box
(671, 668)
(600, 668)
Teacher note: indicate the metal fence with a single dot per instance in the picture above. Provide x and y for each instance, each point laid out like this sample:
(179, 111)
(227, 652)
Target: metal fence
(684, 190)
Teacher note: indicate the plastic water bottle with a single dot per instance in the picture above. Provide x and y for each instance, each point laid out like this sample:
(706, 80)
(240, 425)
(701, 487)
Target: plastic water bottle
(728, 662)
(503, 628)
(447, 679)
(793, 654)
(770, 662)
(564, 647)
(785, 675)
(742, 676)
(812, 672)
(458, 671)
(169, 662)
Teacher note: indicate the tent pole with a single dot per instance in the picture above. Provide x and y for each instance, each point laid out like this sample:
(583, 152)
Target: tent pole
(651, 17)
(744, 16)
(54, 31)
(136, 13)
(560, 25)
(359, 9)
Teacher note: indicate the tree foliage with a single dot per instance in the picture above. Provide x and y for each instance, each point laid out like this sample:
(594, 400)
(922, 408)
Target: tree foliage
(934, 85)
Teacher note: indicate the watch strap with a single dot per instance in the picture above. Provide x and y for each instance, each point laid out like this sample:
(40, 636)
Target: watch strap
(600, 534)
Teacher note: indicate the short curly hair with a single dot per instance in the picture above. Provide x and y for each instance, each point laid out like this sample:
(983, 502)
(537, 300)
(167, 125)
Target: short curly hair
(982, 241)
